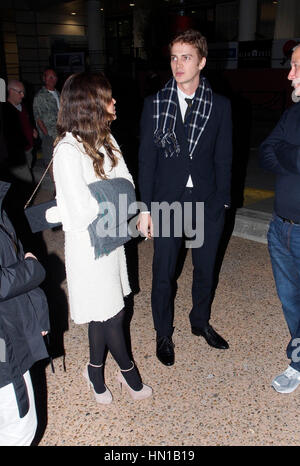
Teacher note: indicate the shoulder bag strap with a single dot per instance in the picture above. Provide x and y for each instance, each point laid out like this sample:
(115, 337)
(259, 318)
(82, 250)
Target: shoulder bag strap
(38, 185)
(43, 176)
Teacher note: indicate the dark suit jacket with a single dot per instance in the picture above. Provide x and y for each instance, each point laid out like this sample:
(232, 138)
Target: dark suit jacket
(164, 178)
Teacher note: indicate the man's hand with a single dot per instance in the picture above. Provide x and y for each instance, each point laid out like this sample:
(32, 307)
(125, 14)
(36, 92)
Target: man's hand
(145, 225)
(42, 126)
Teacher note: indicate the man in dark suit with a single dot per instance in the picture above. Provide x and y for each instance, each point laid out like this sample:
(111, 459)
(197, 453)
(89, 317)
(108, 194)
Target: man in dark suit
(185, 157)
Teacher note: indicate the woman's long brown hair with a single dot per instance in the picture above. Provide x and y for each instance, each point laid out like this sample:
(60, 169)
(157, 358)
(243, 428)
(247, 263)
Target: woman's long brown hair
(83, 103)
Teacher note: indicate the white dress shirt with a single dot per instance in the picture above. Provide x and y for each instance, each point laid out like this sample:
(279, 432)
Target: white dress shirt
(183, 106)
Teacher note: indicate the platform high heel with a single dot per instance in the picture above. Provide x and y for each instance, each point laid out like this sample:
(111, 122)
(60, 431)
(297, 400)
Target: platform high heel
(145, 392)
(104, 398)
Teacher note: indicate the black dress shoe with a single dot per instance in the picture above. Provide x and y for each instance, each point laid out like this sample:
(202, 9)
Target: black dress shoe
(211, 336)
(165, 350)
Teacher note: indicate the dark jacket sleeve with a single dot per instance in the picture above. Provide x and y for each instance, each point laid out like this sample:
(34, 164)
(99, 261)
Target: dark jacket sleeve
(19, 278)
(147, 154)
(39, 302)
(267, 152)
(288, 156)
(223, 155)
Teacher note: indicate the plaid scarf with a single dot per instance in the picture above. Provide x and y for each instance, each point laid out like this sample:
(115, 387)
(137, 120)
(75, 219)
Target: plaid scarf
(165, 114)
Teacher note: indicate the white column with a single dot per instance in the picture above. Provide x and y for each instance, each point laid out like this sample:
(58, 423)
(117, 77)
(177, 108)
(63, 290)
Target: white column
(247, 19)
(286, 15)
(96, 35)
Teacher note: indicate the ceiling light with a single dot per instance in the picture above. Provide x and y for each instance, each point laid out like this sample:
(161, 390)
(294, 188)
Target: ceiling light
(73, 13)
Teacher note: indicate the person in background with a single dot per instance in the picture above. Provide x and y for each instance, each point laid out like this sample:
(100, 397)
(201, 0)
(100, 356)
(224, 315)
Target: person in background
(280, 154)
(86, 152)
(24, 320)
(19, 131)
(45, 111)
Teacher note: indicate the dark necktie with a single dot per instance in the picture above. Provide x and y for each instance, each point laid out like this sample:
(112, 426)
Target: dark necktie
(188, 109)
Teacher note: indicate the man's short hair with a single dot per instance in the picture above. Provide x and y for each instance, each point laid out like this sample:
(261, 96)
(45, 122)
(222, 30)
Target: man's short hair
(192, 37)
(13, 82)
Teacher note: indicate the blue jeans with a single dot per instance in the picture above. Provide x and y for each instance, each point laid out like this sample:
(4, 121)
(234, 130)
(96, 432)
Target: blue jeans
(284, 248)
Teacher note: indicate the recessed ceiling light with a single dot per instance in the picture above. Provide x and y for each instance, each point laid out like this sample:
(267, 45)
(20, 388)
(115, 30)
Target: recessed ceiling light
(131, 4)
(73, 13)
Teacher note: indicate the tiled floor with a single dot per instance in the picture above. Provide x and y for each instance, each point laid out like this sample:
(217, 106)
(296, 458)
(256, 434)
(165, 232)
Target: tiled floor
(209, 397)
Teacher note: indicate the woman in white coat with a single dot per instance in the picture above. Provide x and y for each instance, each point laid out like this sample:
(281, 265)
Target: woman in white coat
(85, 152)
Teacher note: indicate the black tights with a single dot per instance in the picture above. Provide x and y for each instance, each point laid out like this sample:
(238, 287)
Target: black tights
(110, 334)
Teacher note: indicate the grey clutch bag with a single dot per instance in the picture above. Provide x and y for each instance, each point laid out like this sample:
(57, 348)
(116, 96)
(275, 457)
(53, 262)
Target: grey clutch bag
(36, 216)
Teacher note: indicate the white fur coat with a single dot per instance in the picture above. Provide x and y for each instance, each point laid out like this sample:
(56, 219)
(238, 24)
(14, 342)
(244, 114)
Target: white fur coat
(96, 287)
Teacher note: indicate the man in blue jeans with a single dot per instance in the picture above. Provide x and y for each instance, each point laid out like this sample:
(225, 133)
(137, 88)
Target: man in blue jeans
(280, 153)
